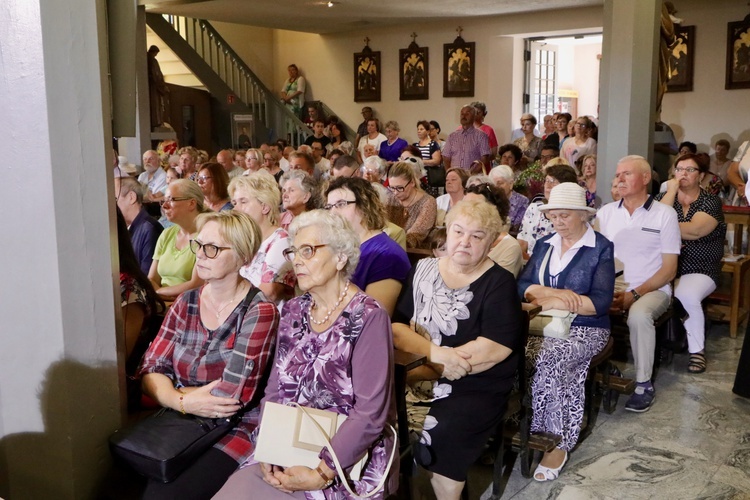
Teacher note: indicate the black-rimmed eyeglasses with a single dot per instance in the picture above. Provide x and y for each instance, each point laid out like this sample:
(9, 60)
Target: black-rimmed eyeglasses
(211, 251)
(339, 204)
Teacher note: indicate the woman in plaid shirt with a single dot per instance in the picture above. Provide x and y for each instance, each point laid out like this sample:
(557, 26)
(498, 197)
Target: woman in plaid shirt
(211, 354)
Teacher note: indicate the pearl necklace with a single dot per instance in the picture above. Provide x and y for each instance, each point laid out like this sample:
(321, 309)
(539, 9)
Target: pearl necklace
(330, 311)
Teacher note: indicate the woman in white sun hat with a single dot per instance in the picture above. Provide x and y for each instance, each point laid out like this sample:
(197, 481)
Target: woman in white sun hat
(571, 269)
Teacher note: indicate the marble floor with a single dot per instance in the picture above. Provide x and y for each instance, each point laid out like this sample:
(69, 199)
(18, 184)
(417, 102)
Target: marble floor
(694, 443)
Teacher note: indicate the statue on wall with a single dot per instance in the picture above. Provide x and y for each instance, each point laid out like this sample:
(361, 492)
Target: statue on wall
(667, 42)
(158, 92)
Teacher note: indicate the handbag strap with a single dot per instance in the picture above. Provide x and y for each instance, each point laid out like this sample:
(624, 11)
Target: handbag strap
(336, 462)
(544, 264)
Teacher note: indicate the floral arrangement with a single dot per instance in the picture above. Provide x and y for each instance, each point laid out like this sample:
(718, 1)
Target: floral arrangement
(165, 150)
(530, 181)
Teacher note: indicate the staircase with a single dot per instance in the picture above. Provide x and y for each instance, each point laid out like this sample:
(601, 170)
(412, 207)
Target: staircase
(224, 73)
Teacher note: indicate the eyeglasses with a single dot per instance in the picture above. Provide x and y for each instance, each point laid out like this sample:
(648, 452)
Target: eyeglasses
(582, 125)
(690, 170)
(399, 189)
(551, 182)
(164, 201)
(202, 179)
(209, 250)
(409, 159)
(267, 159)
(305, 252)
(339, 204)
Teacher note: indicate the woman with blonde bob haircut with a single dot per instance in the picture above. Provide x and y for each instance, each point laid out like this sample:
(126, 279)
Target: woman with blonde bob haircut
(448, 312)
(334, 352)
(257, 195)
(213, 350)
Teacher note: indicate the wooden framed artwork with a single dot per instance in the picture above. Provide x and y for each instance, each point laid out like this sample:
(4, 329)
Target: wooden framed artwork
(681, 60)
(367, 75)
(458, 68)
(738, 55)
(413, 72)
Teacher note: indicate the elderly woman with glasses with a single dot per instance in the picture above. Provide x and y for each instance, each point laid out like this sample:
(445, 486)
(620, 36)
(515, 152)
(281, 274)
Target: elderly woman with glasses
(383, 264)
(420, 208)
(535, 224)
(299, 193)
(253, 160)
(580, 144)
(258, 196)
(502, 176)
(213, 350)
(703, 229)
(271, 164)
(572, 270)
(213, 180)
(463, 313)
(173, 268)
(334, 352)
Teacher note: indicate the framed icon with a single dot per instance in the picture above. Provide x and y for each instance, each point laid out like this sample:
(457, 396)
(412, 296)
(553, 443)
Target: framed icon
(367, 75)
(458, 68)
(413, 72)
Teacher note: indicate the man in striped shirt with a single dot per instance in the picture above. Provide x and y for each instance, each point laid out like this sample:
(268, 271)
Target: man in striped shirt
(468, 147)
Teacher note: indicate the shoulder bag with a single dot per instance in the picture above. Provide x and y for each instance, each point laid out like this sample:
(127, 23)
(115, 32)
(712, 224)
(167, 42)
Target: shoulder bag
(163, 445)
(294, 435)
(554, 323)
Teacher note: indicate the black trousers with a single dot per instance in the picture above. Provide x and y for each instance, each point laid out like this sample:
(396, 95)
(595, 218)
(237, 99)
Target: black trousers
(199, 481)
(742, 379)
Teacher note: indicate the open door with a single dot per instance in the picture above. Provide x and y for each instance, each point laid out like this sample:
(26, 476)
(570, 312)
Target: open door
(541, 79)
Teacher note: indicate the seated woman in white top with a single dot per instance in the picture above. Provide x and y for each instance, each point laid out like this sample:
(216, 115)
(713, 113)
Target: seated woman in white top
(455, 181)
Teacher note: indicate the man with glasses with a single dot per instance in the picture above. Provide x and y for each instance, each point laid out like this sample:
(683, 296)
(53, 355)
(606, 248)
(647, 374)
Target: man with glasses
(144, 230)
(345, 166)
(548, 152)
(468, 147)
(647, 240)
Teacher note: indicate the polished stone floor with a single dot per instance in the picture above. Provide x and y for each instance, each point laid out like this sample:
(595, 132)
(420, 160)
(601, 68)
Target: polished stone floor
(694, 443)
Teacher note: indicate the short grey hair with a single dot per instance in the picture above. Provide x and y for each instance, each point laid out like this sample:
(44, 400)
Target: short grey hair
(306, 183)
(130, 185)
(502, 172)
(642, 162)
(377, 162)
(475, 180)
(335, 231)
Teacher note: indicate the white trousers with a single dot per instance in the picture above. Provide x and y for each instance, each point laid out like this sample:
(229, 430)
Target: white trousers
(691, 289)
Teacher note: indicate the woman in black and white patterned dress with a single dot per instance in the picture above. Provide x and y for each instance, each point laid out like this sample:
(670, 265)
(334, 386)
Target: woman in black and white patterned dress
(703, 229)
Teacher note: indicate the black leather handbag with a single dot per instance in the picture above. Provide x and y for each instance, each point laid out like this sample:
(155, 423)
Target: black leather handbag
(163, 445)
(435, 176)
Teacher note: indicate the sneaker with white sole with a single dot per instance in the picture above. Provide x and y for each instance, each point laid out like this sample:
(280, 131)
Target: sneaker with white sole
(641, 400)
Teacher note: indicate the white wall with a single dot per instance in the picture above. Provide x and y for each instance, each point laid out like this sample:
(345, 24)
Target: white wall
(709, 112)
(59, 397)
(326, 62)
(254, 45)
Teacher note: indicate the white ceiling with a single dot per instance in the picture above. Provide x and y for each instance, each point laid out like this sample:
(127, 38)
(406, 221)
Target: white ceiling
(314, 16)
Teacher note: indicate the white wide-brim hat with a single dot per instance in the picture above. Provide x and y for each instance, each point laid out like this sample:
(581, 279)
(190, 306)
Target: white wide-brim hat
(567, 196)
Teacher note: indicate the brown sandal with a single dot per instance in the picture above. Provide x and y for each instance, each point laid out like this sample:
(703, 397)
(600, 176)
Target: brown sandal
(697, 363)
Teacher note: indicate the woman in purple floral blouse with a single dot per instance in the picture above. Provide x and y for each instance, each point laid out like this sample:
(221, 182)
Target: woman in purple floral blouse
(334, 352)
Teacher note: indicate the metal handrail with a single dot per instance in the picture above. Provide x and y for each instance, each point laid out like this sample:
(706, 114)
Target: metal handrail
(243, 82)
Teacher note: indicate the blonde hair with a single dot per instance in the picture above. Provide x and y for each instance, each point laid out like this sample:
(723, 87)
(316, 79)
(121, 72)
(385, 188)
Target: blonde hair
(262, 186)
(404, 169)
(237, 229)
(479, 211)
(189, 189)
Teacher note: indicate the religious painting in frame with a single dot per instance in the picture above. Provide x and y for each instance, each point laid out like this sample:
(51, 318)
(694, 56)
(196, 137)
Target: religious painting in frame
(458, 68)
(681, 60)
(367, 75)
(413, 71)
(738, 55)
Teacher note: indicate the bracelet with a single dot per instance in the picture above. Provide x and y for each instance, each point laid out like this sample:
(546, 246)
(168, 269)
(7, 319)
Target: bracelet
(329, 481)
(182, 395)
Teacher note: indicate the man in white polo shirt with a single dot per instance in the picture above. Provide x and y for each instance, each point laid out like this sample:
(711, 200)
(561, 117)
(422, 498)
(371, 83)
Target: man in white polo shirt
(647, 241)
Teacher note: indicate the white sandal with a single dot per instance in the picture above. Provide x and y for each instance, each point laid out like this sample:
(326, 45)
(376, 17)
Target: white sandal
(547, 473)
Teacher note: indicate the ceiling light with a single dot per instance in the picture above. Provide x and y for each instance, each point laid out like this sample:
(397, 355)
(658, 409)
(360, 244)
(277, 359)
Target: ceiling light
(330, 4)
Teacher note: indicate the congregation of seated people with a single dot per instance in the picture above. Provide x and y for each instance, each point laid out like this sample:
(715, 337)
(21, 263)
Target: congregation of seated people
(354, 246)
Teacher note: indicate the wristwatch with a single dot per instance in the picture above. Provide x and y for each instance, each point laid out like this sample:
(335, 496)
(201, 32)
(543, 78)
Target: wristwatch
(328, 481)
(636, 295)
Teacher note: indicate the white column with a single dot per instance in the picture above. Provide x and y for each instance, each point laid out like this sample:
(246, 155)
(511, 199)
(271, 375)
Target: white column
(59, 369)
(628, 84)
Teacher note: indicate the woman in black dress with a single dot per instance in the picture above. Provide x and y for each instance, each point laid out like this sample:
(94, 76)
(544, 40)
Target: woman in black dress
(463, 313)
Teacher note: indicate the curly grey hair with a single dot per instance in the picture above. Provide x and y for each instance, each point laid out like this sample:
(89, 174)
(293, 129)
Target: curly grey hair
(335, 231)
